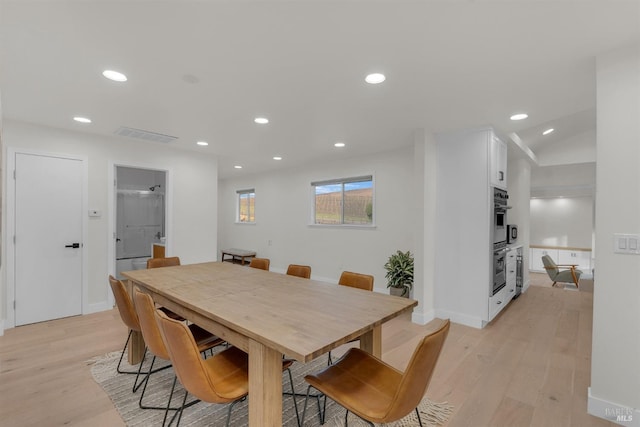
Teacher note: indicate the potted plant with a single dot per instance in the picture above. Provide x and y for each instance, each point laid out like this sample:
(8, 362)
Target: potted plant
(399, 275)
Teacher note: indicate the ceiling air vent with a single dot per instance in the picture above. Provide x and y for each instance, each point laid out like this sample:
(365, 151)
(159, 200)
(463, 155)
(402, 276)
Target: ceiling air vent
(144, 134)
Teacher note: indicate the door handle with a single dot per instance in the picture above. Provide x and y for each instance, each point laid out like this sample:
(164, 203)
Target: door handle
(73, 245)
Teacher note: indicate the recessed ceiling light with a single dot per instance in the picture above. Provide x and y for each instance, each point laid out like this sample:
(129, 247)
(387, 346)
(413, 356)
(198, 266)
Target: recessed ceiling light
(548, 131)
(277, 158)
(82, 120)
(519, 116)
(261, 120)
(375, 78)
(203, 143)
(114, 75)
(339, 144)
(238, 167)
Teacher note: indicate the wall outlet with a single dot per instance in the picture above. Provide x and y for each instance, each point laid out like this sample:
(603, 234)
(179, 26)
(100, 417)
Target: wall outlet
(269, 242)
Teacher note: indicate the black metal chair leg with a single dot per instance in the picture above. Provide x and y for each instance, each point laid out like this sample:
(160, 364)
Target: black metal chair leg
(120, 371)
(293, 396)
(179, 413)
(418, 415)
(166, 412)
(231, 405)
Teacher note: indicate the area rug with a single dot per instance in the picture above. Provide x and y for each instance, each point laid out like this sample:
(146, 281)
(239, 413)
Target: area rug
(118, 388)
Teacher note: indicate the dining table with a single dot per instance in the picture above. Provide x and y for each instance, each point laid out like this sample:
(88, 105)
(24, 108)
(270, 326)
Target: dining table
(268, 315)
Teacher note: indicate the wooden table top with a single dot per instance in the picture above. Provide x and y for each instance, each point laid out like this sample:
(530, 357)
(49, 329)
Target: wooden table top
(301, 318)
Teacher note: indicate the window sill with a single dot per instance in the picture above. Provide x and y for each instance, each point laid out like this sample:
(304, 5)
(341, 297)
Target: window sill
(245, 223)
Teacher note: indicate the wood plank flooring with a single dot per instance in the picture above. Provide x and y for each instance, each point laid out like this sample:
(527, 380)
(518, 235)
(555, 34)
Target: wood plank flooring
(529, 367)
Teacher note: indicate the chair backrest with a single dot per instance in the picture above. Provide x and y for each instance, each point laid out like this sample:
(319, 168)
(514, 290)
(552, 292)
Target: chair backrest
(189, 365)
(356, 280)
(261, 263)
(550, 266)
(303, 271)
(417, 376)
(124, 304)
(146, 310)
(163, 262)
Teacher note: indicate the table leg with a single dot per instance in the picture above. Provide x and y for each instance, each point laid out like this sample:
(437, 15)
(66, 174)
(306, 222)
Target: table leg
(265, 386)
(371, 342)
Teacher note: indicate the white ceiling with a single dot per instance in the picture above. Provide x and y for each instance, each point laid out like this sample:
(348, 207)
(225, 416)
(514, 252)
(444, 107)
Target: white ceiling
(202, 70)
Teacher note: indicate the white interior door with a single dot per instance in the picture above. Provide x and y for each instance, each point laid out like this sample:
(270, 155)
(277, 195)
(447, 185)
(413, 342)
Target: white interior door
(48, 238)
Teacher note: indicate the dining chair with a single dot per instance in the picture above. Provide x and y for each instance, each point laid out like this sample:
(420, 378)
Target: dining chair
(358, 281)
(166, 262)
(374, 390)
(163, 262)
(145, 308)
(221, 378)
(127, 314)
(303, 271)
(261, 263)
(130, 319)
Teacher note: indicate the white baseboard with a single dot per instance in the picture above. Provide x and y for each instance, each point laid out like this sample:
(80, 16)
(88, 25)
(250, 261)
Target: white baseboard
(613, 412)
(97, 307)
(422, 318)
(463, 319)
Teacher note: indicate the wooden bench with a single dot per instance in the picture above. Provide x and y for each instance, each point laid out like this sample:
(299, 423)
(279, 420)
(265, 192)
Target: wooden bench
(236, 254)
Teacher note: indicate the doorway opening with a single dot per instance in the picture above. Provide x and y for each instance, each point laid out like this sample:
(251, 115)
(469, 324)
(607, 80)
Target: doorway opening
(140, 215)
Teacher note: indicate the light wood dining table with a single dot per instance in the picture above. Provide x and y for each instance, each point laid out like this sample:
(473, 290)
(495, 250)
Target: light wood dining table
(269, 315)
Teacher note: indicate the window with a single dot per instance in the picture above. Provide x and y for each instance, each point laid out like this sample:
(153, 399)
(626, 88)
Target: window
(246, 205)
(346, 201)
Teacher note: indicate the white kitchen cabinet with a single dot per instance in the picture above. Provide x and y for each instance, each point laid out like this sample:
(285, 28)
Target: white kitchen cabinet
(535, 260)
(498, 165)
(466, 171)
(511, 272)
(581, 258)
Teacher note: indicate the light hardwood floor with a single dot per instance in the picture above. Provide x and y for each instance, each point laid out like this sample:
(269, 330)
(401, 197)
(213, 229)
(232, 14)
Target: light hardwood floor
(529, 367)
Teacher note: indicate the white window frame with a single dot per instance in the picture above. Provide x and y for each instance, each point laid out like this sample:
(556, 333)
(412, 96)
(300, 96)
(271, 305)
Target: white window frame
(239, 194)
(342, 181)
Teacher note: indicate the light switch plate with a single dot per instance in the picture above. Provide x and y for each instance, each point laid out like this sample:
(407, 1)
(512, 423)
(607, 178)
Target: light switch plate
(626, 243)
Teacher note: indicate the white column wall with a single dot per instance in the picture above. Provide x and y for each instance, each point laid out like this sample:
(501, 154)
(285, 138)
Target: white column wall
(194, 192)
(615, 374)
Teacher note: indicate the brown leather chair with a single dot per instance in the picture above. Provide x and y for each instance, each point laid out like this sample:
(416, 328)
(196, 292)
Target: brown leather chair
(376, 391)
(222, 378)
(145, 308)
(303, 271)
(261, 263)
(163, 262)
(356, 280)
(128, 316)
(166, 262)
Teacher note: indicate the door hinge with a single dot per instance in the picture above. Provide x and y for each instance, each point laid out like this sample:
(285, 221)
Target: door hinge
(14, 239)
(14, 304)
(14, 174)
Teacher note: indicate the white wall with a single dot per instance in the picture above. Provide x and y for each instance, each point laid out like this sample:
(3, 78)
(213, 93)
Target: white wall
(566, 222)
(615, 363)
(572, 180)
(577, 149)
(194, 194)
(283, 209)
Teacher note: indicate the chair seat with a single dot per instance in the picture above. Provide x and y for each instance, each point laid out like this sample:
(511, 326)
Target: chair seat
(204, 338)
(228, 371)
(361, 383)
(566, 276)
